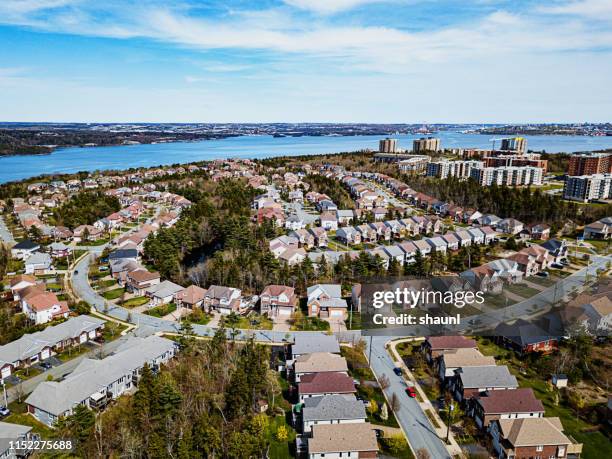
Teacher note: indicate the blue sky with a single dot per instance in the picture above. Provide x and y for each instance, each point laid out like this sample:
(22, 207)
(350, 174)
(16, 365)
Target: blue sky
(306, 60)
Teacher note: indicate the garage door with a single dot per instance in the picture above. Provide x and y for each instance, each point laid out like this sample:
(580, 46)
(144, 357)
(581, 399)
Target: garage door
(284, 312)
(45, 354)
(83, 337)
(336, 313)
(6, 372)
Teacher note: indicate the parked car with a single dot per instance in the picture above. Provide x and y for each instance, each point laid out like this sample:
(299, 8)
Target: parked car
(411, 392)
(397, 371)
(46, 365)
(542, 274)
(557, 265)
(4, 411)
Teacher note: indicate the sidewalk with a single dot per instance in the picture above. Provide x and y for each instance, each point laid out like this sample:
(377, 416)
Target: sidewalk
(425, 404)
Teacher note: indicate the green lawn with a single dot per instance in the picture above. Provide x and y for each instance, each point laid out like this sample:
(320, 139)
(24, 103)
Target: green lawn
(522, 290)
(395, 446)
(278, 449)
(135, 302)
(19, 416)
(498, 301)
(106, 283)
(114, 294)
(162, 310)
(310, 324)
(95, 243)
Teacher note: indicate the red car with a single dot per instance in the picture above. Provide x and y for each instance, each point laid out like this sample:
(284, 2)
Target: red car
(411, 392)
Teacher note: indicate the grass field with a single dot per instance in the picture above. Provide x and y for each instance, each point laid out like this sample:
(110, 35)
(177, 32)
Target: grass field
(161, 311)
(135, 302)
(114, 294)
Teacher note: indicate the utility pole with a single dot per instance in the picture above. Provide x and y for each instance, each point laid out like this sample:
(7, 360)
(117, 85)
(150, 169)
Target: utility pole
(4, 390)
(370, 352)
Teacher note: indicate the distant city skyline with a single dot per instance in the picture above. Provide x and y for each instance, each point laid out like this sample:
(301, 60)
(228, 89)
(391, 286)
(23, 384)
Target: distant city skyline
(343, 61)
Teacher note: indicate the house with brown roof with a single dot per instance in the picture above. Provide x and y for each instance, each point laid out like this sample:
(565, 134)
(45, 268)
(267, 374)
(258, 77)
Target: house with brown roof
(343, 440)
(435, 346)
(139, 280)
(192, 297)
(317, 384)
(318, 362)
(278, 301)
(20, 282)
(450, 361)
(504, 404)
(223, 299)
(531, 438)
(43, 307)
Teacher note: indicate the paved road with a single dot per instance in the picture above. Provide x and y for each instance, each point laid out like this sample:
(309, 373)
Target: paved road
(5, 234)
(411, 417)
(27, 386)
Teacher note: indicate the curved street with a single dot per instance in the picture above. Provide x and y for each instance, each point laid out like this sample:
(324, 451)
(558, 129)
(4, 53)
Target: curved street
(413, 421)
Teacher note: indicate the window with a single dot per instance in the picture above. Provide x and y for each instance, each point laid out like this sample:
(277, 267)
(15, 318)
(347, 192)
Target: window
(539, 448)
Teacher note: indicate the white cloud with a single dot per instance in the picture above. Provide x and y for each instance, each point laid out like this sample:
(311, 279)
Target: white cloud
(593, 9)
(328, 6)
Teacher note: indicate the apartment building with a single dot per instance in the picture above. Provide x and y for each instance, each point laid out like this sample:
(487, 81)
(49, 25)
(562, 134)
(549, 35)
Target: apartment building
(514, 144)
(387, 145)
(426, 144)
(509, 175)
(590, 163)
(586, 188)
(444, 169)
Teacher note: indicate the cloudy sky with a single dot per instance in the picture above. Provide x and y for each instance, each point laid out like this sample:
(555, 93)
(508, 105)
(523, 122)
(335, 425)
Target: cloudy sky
(306, 60)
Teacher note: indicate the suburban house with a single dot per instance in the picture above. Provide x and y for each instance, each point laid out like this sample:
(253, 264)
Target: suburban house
(348, 235)
(293, 256)
(278, 301)
(10, 434)
(331, 409)
(453, 360)
(60, 250)
(484, 278)
(525, 337)
(20, 282)
(531, 437)
(84, 233)
(38, 263)
(139, 280)
(310, 343)
(422, 246)
(318, 362)
(540, 231)
(328, 221)
(318, 384)
(191, 297)
(435, 346)
(223, 299)
(601, 229)
(162, 293)
(343, 440)
(472, 381)
(35, 347)
(22, 250)
(557, 249)
(42, 307)
(94, 383)
(368, 234)
(325, 301)
(320, 236)
(505, 404)
(510, 226)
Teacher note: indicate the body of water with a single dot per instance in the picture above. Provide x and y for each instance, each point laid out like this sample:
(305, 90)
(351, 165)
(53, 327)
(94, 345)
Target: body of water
(69, 160)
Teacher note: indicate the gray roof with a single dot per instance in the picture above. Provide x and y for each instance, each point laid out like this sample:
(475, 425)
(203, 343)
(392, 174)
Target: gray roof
(315, 342)
(39, 258)
(164, 289)
(11, 432)
(330, 407)
(487, 376)
(393, 251)
(32, 344)
(93, 376)
(331, 290)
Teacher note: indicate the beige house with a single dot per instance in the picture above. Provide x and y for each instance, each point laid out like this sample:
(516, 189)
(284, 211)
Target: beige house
(343, 440)
(319, 362)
